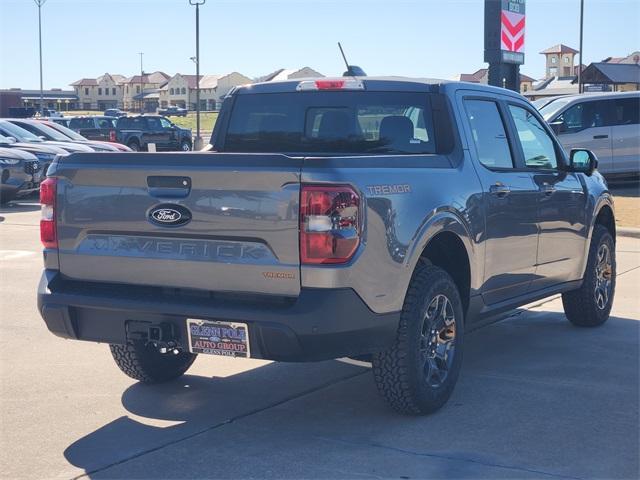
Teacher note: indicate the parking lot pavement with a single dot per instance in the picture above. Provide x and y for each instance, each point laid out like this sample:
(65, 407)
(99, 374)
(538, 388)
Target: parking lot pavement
(537, 398)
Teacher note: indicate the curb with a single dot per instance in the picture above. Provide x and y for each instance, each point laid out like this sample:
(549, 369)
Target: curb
(628, 232)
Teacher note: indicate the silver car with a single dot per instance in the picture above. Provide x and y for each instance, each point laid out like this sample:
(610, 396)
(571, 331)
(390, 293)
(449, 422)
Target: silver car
(607, 124)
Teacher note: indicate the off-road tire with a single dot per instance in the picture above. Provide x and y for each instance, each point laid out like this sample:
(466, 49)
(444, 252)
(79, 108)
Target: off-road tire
(146, 364)
(399, 371)
(580, 305)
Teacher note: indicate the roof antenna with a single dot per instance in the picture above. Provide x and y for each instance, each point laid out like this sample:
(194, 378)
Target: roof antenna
(352, 70)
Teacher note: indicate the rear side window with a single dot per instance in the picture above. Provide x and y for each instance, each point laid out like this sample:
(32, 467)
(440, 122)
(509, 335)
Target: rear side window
(105, 123)
(130, 123)
(82, 123)
(626, 111)
(489, 133)
(317, 123)
(585, 115)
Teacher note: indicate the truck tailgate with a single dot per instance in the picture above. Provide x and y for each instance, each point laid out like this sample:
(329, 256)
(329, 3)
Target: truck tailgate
(236, 228)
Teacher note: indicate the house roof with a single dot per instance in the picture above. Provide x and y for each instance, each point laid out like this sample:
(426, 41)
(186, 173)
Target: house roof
(559, 48)
(155, 77)
(478, 75)
(84, 82)
(150, 94)
(474, 77)
(52, 94)
(553, 86)
(611, 73)
(288, 73)
(633, 57)
(280, 74)
(209, 81)
(118, 78)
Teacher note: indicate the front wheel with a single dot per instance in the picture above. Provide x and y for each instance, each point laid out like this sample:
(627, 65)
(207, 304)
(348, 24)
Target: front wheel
(590, 305)
(146, 364)
(135, 146)
(185, 146)
(418, 373)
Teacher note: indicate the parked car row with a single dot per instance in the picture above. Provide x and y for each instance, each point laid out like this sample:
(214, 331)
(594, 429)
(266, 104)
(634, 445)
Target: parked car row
(135, 131)
(28, 146)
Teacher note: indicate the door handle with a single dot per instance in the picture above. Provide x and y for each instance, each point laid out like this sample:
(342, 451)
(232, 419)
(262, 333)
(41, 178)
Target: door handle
(499, 190)
(598, 137)
(176, 187)
(547, 189)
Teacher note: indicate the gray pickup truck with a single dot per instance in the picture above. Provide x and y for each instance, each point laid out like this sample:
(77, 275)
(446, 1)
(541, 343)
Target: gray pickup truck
(375, 218)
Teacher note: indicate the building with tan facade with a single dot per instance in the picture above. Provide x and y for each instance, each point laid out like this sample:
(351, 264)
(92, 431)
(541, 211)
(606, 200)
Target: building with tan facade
(141, 92)
(181, 90)
(100, 93)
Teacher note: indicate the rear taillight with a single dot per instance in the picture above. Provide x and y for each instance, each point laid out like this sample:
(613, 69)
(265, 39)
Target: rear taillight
(112, 135)
(329, 224)
(48, 234)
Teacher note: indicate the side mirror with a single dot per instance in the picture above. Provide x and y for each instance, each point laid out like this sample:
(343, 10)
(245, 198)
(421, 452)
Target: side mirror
(42, 137)
(558, 126)
(582, 160)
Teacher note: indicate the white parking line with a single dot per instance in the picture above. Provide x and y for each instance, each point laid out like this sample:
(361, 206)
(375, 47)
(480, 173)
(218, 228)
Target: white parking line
(15, 254)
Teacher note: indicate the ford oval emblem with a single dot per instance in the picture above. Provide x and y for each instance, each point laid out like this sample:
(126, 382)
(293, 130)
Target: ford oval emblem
(169, 215)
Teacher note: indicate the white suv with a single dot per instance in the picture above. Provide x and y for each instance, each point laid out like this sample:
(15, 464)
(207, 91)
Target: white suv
(608, 124)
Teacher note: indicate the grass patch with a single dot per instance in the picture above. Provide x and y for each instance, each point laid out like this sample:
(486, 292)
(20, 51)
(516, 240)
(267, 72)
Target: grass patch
(207, 121)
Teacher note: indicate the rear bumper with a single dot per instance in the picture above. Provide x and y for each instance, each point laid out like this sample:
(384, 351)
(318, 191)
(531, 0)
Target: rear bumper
(319, 324)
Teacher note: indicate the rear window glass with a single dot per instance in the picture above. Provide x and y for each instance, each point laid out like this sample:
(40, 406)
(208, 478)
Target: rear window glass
(331, 123)
(82, 123)
(131, 123)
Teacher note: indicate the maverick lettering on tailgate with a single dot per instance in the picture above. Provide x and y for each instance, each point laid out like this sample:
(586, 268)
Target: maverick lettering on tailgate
(178, 249)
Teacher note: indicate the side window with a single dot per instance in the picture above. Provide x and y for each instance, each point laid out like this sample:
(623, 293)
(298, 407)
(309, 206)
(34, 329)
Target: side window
(626, 111)
(585, 115)
(166, 124)
(153, 124)
(537, 146)
(489, 133)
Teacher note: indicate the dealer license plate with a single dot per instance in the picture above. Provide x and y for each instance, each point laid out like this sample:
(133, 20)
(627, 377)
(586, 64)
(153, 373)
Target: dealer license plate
(218, 338)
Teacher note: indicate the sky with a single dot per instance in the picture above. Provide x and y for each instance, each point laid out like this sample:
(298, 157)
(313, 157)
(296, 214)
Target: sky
(417, 38)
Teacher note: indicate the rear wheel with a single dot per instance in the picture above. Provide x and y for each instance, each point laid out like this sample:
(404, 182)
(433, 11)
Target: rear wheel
(590, 305)
(418, 373)
(146, 364)
(135, 146)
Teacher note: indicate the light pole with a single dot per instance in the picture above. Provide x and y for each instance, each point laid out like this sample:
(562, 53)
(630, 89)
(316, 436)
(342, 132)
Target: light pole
(141, 84)
(40, 3)
(197, 3)
(580, 52)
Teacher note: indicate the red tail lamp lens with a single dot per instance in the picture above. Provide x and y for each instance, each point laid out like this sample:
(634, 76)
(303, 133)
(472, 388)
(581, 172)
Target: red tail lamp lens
(329, 224)
(48, 235)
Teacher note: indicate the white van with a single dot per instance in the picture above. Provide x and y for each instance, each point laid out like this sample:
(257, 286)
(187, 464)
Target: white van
(608, 124)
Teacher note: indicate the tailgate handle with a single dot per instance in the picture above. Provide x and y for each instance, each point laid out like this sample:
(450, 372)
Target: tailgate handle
(169, 186)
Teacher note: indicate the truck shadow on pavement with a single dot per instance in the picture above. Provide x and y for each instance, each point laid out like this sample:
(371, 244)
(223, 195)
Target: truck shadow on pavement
(533, 392)
(20, 206)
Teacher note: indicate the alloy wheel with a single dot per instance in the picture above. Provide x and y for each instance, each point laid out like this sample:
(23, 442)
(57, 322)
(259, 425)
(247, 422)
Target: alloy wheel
(604, 272)
(437, 342)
